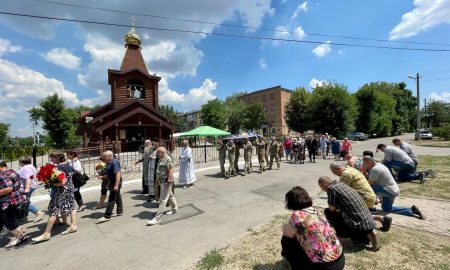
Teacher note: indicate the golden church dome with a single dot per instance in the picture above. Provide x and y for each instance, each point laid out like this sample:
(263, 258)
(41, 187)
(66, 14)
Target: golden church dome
(132, 38)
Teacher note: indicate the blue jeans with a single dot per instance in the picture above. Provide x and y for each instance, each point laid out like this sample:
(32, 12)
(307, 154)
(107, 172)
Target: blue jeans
(31, 207)
(387, 203)
(406, 171)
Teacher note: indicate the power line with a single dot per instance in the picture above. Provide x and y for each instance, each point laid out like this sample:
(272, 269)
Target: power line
(238, 26)
(440, 79)
(226, 35)
(437, 72)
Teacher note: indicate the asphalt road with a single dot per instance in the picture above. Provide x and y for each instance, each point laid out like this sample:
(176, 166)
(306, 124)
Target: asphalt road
(212, 213)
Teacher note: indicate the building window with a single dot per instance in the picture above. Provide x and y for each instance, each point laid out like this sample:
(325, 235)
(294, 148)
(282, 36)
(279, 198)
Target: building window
(273, 131)
(272, 107)
(264, 98)
(272, 96)
(136, 89)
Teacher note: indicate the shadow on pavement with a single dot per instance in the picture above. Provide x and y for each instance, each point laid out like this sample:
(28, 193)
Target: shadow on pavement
(280, 265)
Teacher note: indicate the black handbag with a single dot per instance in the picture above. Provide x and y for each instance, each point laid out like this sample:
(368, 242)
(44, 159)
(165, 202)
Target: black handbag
(79, 179)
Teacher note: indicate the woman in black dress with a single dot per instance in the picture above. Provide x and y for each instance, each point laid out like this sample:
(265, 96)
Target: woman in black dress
(62, 200)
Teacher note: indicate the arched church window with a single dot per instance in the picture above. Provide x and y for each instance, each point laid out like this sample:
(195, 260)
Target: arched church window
(136, 89)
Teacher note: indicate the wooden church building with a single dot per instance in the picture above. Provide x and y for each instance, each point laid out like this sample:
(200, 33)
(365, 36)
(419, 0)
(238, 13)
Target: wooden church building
(133, 114)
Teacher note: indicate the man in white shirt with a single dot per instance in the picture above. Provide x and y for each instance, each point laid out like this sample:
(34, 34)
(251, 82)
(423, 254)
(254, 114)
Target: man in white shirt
(407, 148)
(395, 158)
(384, 185)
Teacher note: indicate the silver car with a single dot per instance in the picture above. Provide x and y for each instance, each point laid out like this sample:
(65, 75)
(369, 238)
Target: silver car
(357, 136)
(425, 135)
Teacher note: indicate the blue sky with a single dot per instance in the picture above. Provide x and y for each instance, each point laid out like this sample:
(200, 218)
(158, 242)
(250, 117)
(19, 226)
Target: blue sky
(41, 57)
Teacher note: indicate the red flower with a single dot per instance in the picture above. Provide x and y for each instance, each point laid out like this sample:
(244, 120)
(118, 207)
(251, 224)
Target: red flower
(61, 176)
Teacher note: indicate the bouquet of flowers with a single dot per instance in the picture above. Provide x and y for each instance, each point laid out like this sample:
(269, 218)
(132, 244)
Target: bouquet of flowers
(100, 168)
(50, 175)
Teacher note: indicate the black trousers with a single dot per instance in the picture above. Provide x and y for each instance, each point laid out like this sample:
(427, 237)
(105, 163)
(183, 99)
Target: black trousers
(297, 258)
(343, 230)
(78, 197)
(312, 153)
(113, 199)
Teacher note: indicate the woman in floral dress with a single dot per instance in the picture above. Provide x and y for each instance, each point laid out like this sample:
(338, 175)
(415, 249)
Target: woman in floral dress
(62, 200)
(309, 241)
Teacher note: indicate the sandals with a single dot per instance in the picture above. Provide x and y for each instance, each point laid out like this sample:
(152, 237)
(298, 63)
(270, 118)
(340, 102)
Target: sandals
(16, 242)
(81, 208)
(69, 231)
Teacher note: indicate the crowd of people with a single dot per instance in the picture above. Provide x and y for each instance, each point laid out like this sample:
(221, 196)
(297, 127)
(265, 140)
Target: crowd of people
(310, 239)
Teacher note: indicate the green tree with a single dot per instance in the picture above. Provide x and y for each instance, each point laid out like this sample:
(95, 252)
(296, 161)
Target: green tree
(375, 110)
(170, 112)
(4, 130)
(332, 109)
(296, 110)
(235, 114)
(437, 114)
(254, 116)
(59, 122)
(213, 114)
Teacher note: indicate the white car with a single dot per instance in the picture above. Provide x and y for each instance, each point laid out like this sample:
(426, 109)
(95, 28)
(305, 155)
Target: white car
(425, 135)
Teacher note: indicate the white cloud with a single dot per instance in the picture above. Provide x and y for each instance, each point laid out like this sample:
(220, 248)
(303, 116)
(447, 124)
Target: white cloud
(314, 83)
(322, 49)
(281, 32)
(263, 64)
(193, 99)
(444, 96)
(7, 47)
(62, 57)
(425, 15)
(302, 7)
(21, 88)
(299, 32)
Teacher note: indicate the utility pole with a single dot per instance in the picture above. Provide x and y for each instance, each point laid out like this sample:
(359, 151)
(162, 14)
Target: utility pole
(418, 105)
(417, 78)
(34, 135)
(425, 112)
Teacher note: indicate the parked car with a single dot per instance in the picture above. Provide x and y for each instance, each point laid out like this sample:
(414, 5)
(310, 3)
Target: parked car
(425, 135)
(357, 136)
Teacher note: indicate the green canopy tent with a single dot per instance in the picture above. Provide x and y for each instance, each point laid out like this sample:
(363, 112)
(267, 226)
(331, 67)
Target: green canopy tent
(205, 131)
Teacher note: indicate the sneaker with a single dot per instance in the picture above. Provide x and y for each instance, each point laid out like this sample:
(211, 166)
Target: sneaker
(422, 177)
(373, 238)
(153, 222)
(185, 187)
(39, 217)
(116, 214)
(102, 220)
(172, 212)
(387, 221)
(417, 211)
(42, 238)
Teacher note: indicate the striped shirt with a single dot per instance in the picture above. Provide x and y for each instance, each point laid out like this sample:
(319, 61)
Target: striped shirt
(354, 210)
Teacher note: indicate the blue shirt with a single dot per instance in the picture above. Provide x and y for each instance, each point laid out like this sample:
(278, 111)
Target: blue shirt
(111, 170)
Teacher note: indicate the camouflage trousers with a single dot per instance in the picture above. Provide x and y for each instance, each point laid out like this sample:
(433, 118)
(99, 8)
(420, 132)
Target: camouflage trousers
(248, 165)
(277, 159)
(261, 163)
(222, 164)
(231, 169)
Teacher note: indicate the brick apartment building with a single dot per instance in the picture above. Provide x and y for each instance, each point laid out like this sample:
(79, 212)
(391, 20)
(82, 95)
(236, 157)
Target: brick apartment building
(190, 120)
(273, 99)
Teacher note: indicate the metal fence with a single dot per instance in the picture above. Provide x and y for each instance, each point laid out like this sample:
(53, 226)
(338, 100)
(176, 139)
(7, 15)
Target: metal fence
(128, 153)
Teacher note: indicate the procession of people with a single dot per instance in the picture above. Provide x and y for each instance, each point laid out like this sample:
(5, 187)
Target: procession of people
(351, 216)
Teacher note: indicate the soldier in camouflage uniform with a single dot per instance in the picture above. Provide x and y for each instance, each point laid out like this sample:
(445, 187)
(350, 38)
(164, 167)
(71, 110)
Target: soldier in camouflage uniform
(238, 146)
(266, 151)
(247, 155)
(222, 148)
(164, 176)
(274, 149)
(261, 151)
(231, 151)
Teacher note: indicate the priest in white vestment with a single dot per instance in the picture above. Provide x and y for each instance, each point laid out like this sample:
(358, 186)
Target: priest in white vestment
(187, 172)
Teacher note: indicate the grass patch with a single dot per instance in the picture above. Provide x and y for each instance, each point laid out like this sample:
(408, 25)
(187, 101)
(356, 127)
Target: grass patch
(212, 260)
(402, 248)
(438, 187)
(433, 143)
